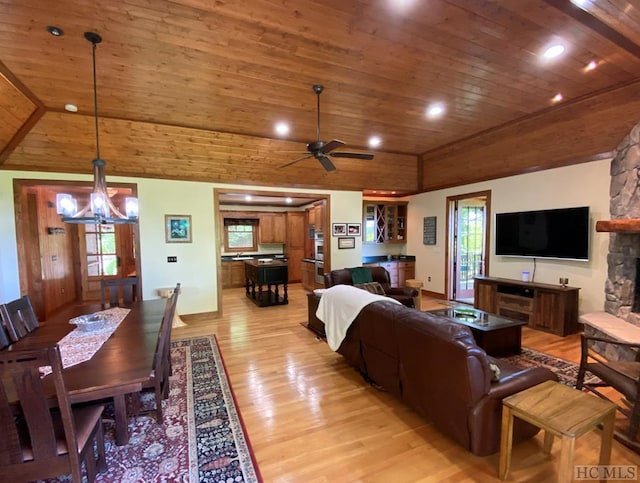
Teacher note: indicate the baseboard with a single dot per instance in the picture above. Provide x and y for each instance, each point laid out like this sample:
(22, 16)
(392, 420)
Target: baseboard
(198, 317)
(434, 295)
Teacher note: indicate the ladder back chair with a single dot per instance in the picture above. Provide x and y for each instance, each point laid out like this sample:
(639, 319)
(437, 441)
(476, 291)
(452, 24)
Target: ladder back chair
(19, 318)
(159, 378)
(115, 291)
(39, 442)
(4, 337)
(621, 375)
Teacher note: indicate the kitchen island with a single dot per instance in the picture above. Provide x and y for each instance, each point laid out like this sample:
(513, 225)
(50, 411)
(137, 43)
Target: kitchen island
(272, 274)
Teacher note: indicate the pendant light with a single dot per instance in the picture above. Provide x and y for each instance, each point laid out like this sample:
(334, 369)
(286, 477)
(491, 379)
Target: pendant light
(100, 209)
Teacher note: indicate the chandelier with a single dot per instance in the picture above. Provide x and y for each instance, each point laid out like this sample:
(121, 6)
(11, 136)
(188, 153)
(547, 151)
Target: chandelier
(100, 208)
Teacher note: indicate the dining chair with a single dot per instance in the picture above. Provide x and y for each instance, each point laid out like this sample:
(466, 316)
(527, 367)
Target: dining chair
(158, 380)
(621, 375)
(4, 337)
(118, 290)
(39, 442)
(19, 318)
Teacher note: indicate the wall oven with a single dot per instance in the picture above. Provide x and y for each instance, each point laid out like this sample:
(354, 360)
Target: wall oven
(319, 272)
(318, 246)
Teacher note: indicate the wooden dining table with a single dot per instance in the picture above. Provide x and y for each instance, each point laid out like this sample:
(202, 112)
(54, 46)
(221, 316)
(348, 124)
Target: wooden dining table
(121, 364)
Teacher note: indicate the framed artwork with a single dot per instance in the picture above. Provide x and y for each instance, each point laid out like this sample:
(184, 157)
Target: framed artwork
(346, 242)
(338, 229)
(177, 228)
(353, 229)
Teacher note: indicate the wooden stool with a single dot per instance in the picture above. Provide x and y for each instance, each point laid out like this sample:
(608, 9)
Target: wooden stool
(165, 293)
(560, 411)
(417, 284)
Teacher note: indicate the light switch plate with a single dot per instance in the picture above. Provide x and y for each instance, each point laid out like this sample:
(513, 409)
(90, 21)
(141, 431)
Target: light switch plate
(172, 259)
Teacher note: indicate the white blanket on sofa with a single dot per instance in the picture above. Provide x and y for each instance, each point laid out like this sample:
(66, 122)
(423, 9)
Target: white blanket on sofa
(338, 308)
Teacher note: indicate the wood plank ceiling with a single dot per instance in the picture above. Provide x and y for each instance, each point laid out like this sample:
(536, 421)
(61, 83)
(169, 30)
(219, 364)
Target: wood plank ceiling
(192, 89)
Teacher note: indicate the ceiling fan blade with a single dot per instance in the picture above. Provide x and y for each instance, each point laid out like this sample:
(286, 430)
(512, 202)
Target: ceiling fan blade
(331, 145)
(326, 163)
(352, 155)
(296, 160)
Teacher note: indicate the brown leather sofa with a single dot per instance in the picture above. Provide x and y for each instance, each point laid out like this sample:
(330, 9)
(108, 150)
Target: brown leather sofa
(435, 367)
(404, 295)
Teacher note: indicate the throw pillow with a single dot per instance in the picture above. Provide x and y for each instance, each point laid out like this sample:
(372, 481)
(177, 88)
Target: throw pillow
(372, 287)
(496, 371)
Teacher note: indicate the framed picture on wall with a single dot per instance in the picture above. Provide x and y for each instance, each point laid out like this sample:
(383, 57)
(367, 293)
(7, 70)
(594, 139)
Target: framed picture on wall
(177, 228)
(353, 229)
(338, 229)
(346, 242)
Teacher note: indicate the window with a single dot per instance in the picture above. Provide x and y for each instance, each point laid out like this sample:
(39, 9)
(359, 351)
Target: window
(102, 259)
(240, 235)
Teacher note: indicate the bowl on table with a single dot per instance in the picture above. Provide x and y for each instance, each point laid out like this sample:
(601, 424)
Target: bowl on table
(90, 322)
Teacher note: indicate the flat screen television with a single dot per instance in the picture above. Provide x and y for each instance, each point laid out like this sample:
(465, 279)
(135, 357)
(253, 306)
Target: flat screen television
(560, 233)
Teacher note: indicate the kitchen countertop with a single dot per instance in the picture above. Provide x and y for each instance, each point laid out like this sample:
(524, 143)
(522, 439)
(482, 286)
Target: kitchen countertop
(394, 258)
(278, 256)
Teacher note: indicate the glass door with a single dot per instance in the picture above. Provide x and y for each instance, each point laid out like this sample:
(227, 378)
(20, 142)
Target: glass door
(468, 244)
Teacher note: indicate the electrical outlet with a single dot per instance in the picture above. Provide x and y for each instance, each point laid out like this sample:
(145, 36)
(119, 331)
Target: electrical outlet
(428, 279)
(172, 259)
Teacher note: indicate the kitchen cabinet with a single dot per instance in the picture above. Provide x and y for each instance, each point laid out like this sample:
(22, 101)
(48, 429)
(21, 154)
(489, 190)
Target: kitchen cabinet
(295, 244)
(295, 229)
(272, 228)
(315, 217)
(399, 271)
(385, 222)
(319, 217)
(551, 308)
(406, 271)
(308, 275)
(232, 274)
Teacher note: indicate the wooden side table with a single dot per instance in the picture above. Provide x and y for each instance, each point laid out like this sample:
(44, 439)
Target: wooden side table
(560, 411)
(313, 322)
(417, 284)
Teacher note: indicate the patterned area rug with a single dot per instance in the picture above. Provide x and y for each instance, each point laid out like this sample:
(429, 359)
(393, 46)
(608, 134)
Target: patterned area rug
(567, 371)
(202, 438)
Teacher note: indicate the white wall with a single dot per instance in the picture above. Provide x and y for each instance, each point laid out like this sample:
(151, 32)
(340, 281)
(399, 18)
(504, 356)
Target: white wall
(196, 267)
(579, 185)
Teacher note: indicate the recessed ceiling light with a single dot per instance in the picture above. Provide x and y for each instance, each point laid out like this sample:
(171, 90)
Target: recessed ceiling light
(435, 110)
(375, 141)
(288, 199)
(247, 197)
(55, 31)
(557, 97)
(282, 129)
(553, 51)
(71, 107)
(591, 66)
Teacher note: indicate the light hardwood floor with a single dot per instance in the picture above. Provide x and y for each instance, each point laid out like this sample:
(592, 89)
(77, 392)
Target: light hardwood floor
(311, 418)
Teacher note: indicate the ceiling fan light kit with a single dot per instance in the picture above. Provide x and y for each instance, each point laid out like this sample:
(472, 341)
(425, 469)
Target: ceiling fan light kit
(321, 150)
(100, 209)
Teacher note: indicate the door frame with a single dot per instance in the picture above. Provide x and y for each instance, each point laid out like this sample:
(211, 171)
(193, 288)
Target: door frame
(447, 262)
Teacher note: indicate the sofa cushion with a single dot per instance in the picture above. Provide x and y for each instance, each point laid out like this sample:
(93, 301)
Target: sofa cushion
(372, 287)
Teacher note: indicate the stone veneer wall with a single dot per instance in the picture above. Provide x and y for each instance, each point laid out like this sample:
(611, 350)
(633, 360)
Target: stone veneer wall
(624, 248)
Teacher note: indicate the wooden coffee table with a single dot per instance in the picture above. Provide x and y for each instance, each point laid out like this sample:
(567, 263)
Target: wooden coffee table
(497, 335)
(560, 411)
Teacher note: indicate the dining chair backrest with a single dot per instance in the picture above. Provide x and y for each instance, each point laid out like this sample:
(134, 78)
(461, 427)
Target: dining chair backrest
(116, 291)
(38, 442)
(4, 337)
(19, 318)
(162, 357)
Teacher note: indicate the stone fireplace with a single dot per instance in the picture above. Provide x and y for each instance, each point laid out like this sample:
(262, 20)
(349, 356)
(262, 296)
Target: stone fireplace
(622, 288)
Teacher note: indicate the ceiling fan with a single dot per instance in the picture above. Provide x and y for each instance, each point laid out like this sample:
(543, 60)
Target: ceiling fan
(321, 150)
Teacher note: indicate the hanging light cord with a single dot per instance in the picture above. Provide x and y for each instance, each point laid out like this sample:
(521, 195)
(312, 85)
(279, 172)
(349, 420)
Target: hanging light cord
(95, 101)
